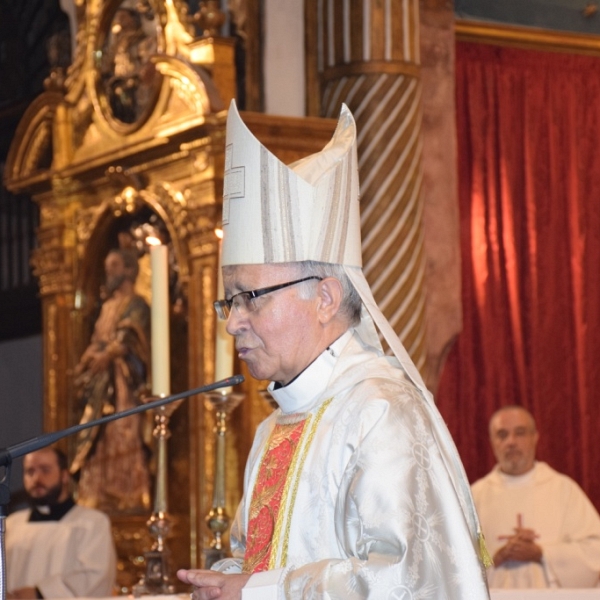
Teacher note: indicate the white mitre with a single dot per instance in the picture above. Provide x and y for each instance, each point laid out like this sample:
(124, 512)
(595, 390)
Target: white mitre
(273, 213)
(309, 210)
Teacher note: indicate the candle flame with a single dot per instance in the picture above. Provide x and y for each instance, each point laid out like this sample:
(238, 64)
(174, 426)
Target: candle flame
(152, 240)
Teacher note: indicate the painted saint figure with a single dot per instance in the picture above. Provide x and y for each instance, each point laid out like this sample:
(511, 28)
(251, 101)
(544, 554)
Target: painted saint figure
(112, 461)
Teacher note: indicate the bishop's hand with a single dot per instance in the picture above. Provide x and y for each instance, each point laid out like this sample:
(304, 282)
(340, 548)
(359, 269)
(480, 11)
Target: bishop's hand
(209, 585)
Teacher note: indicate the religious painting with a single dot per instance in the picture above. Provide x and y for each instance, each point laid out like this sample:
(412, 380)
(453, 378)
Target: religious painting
(127, 79)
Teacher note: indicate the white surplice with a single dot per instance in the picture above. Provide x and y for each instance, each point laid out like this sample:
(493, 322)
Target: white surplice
(369, 509)
(72, 557)
(556, 508)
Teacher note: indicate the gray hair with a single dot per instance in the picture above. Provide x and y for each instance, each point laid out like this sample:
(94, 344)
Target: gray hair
(351, 305)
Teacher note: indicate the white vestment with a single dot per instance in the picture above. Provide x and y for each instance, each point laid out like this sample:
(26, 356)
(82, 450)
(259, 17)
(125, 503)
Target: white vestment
(556, 508)
(369, 510)
(72, 557)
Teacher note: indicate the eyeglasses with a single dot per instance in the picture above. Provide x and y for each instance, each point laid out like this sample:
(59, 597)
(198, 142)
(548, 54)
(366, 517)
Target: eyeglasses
(243, 302)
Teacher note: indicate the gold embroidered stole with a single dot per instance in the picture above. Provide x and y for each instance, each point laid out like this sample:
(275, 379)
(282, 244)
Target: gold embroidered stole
(275, 488)
(268, 491)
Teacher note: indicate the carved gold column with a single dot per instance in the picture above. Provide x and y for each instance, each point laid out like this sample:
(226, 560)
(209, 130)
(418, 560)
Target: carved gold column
(366, 54)
(54, 264)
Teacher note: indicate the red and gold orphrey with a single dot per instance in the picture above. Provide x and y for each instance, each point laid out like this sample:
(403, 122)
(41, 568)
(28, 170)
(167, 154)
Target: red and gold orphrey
(267, 494)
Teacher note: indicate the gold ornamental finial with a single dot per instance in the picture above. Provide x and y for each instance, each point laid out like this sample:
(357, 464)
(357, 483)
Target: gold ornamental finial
(209, 18)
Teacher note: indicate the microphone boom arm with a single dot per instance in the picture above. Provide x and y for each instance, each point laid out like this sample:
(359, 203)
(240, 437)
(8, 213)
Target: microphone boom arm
(8, 454)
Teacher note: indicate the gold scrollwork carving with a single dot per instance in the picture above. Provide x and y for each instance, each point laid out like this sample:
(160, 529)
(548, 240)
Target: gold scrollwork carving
(39, 145)
(52, 265)
(191, 85)
(127, 202)
(201, 161)
(85, 223)
(51, 338)
(64, 188)
(178, 208)
(50, 214)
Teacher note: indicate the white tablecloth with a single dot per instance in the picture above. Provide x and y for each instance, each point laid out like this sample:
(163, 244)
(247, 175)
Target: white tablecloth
(586, 594)
(580, 594)
(554, 594)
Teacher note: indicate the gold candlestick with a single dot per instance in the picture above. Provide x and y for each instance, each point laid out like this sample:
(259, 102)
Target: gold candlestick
(157, 578)
(217, 519)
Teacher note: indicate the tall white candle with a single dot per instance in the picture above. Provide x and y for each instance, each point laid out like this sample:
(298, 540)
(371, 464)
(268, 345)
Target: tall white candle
(161, 366)
(224, 346)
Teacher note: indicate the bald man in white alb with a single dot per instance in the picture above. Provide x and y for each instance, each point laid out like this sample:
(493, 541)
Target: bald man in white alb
(540, 527)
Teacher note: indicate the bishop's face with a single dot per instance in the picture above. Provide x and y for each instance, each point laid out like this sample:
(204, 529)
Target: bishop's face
(281, 336)
(514, 438)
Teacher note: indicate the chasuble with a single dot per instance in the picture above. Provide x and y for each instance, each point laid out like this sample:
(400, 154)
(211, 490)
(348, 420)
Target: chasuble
(367, 508)
(557, 509)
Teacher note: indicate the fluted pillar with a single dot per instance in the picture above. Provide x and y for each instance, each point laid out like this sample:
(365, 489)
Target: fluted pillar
(366, 54)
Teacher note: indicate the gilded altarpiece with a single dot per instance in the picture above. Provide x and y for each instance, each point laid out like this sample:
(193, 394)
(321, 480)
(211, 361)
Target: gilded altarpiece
(133, 130)
(134, 133)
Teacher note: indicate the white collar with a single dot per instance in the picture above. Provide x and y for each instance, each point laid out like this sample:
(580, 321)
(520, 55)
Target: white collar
(518, 480)
(306, 388)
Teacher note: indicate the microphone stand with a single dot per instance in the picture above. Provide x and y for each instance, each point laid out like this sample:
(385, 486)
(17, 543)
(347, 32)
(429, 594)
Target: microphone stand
(8, 454)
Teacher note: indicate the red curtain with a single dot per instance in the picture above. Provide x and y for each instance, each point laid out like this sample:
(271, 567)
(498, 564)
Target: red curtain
(528, 126)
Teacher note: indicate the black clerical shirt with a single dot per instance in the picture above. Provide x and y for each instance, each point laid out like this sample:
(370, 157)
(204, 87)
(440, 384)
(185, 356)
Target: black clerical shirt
(54, 512)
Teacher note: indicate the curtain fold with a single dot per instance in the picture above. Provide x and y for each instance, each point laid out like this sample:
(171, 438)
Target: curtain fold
(528, 127)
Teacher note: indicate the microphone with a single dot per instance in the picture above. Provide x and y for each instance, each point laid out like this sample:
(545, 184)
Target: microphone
(8, 454)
